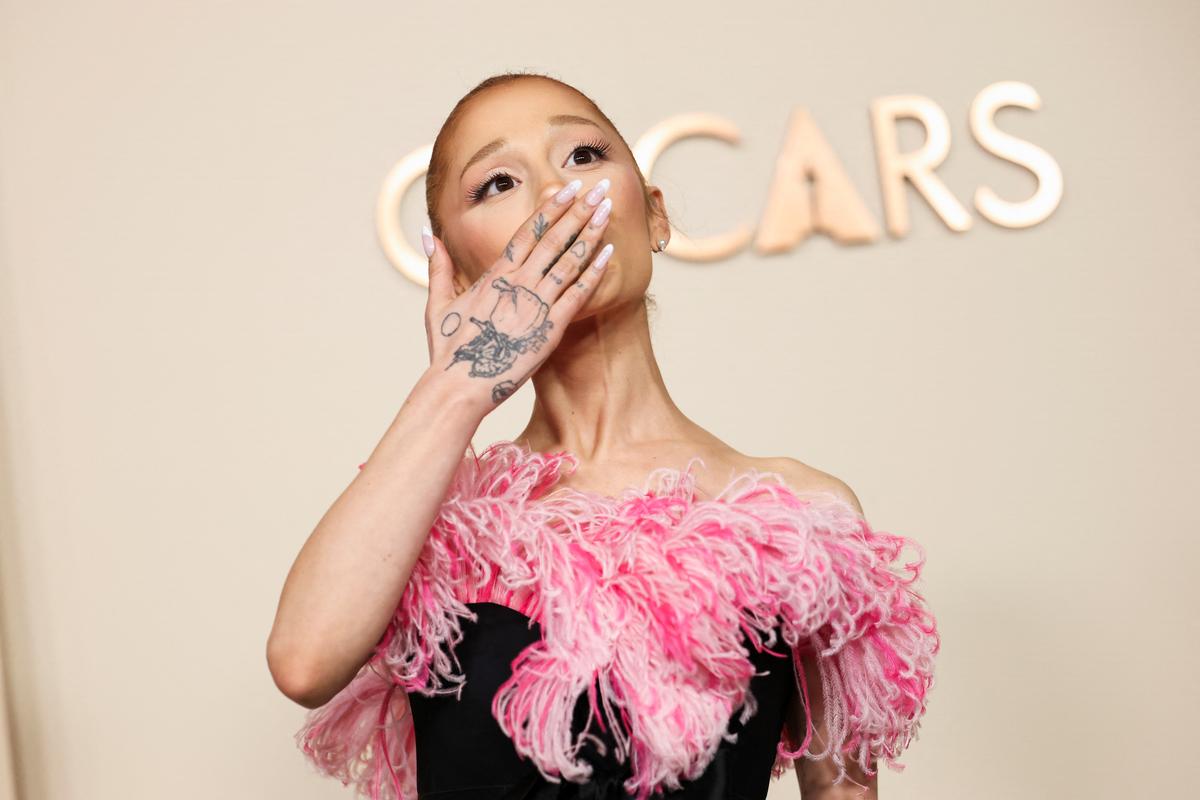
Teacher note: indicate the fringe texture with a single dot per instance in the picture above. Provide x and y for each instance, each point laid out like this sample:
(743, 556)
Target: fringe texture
(649, 592)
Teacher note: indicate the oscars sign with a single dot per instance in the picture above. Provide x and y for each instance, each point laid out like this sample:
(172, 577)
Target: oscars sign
(831, 205)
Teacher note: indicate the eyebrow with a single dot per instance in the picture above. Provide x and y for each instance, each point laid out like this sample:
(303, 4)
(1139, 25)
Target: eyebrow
(496, 144)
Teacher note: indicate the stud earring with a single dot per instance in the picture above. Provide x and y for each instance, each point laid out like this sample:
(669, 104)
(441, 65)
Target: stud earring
(662, 245)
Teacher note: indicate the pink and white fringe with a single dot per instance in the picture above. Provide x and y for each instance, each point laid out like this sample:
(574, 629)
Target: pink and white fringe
(650, 593)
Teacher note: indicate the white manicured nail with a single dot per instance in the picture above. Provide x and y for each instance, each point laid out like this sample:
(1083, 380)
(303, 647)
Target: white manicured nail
(602, 257)
(598, 191)
(427, 241)
(601, 212)
(568, 191)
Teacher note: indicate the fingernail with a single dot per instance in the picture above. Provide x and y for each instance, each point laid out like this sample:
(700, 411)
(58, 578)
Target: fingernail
(568, 191)
(427, 241)
(602, 257)
(598, 191)
(601, 213)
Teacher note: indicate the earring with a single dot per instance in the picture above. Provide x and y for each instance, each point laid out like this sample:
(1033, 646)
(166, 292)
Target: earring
(662, 245)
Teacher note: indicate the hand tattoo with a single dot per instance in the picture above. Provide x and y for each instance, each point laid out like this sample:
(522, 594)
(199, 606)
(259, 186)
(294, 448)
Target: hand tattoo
(540, 226)
(450, 323)
(579, 249)
(502, 390)
(517, 324)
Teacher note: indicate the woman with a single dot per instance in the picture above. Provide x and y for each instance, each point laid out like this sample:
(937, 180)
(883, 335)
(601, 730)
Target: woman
(579, 611)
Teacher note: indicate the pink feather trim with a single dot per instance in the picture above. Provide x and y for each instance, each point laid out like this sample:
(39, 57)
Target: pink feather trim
(649, 593)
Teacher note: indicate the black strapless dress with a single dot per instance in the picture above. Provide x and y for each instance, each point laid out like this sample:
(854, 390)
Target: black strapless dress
(462, 754)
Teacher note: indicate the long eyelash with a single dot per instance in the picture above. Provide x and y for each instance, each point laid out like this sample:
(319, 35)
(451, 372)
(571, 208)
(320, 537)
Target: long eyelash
(476, 194)
(600, 147)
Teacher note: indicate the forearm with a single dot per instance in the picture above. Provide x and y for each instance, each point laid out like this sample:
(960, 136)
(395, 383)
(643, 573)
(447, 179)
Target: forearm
(347, 580)
(816, 777)
(816, 780)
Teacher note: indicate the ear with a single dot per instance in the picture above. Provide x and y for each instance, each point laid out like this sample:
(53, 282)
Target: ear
(657, 222)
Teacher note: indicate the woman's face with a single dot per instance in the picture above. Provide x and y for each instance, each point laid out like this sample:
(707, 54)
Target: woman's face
(518, 144)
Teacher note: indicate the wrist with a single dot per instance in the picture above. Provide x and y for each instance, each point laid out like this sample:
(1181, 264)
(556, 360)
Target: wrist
(444, 394)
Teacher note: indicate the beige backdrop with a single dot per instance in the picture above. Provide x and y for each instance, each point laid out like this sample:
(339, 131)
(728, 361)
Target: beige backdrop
(201, 339)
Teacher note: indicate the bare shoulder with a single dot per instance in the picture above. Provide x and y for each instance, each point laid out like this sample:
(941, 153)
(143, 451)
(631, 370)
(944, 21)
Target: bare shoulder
(725, 463)
(804, 478)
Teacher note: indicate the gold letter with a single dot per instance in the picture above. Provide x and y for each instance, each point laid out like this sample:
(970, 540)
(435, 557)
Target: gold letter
(837, 208)
(1035, 159)
(652, 144)
(918, 165)
(404, 257)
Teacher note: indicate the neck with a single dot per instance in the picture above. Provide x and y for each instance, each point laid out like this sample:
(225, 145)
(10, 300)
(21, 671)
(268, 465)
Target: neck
(600, 391)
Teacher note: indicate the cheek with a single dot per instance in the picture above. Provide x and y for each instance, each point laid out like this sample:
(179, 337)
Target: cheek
(481, 239)
(628, 200)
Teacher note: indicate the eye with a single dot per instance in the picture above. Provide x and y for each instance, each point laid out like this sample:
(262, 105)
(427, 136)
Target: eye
(598, 147)
(477, 194)
(500, 178)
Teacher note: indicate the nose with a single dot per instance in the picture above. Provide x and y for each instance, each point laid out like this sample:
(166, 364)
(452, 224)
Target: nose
(550, 181)
(550, 188)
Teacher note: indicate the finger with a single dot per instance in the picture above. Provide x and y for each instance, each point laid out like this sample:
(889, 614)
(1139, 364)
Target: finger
(568, 305)
(561, 234)
(535, 226)
(441, 271)
(579, 252)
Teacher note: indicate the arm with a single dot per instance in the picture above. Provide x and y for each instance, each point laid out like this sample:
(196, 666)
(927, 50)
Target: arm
(816, 777)
(349, 576)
